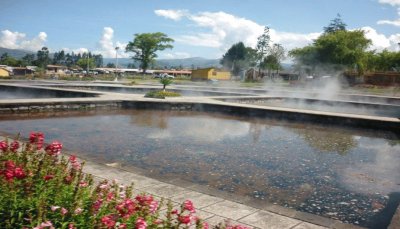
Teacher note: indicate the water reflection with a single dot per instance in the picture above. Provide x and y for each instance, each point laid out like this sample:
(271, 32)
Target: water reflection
(328, 141)
(263, 159)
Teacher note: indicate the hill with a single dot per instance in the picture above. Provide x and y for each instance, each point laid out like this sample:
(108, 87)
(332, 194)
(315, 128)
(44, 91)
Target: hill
(16, 53)
(196, 62)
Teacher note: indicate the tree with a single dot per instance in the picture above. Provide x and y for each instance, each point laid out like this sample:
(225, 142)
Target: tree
(130, 65)
(86, 63)
(9, 60)
(165, 81)
(59, 57)
(339, 49)
(42, 57)
(274, 59)
(234, 58)
(28, 59)
(336, 24)
(145, 46)
(110, 65)
(263, 47)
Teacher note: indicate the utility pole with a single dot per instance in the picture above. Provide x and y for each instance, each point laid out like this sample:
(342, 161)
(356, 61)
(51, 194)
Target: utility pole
(116, 60)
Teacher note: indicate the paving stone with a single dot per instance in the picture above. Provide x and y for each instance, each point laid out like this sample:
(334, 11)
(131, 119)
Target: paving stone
(308, 226)
(199, 200)
(215, 220)
(264, 219)
(230, 209)
(165, 190)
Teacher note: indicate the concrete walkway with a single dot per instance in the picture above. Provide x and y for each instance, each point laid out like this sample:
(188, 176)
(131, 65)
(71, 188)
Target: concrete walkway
(214, 209)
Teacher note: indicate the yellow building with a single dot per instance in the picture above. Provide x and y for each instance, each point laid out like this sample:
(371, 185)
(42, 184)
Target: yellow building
(4, 73)
(210, 73)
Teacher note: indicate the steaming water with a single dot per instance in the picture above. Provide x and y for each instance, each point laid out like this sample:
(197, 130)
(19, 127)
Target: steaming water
(345, 174)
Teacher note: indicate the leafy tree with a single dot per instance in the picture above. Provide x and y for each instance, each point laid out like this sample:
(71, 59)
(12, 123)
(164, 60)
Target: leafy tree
(130, 65)
(336, 24)
(165, 81)
(235, 56)
(59, 57)
(273, 60)
(341, 48)
(263, 46)
(6, 59)
(86, 63)
(42, 57)
(145, 46)
(28, 59)
(110, 65)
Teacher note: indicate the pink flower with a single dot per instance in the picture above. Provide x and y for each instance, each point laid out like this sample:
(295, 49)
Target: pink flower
(122, 226)
(37, 138)
(153, 205)
(126, 208)
(54, 208)
(188, 205)
(3, 146)
(110, 196)
(140, 223)
(83, 184)
(185, 219)
(108, 221)
(64, 211)
(54, 148)
(71, 226)
(97, 204)
(45, 225)
(72, 158)
(205, 225)
(19, 173)
(14, 146)
(78, 211)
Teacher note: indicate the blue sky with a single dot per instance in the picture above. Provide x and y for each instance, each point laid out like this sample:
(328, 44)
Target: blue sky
(204, 28)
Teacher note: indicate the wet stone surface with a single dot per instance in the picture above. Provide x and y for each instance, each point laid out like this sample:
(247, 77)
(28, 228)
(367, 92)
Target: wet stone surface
(343, 174)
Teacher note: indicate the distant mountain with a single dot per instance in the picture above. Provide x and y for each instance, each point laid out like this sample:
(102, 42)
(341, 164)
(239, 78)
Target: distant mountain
(16, 53)
(196, 62)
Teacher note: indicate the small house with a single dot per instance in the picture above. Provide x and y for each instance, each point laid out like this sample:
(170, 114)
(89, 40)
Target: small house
(56, 69)
(4, 73)
(21, 71)
(210, 73)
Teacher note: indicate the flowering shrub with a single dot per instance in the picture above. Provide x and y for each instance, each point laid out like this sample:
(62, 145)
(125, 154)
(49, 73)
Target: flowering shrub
(41, 189)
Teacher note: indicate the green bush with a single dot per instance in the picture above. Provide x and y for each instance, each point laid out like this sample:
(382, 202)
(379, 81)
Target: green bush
(161, 94)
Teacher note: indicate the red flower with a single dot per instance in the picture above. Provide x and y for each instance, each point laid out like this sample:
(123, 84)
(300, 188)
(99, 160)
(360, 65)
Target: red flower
(48, 177)
(37, 138)
(185, 219)
(9, 175)
(108, 221)
(19, 173)
(141, 223)
(54, 148)
(9, 165)
(126, 208)
(14, 146)
(205, 225)
(3, 146)
(174, 212)
(122, 226)
(188, 205)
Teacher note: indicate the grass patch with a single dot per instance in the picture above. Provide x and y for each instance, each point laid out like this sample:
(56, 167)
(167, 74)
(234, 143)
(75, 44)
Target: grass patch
(161, 94)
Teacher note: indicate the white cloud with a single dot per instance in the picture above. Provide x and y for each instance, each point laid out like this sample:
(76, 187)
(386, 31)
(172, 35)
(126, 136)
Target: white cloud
(380, 41)
(394, 3)
(17, 40)
(225, 29)
(107, 45)
(391, 2)
(175, 15)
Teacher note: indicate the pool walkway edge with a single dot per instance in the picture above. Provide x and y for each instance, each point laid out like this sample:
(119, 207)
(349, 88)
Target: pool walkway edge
(214, 209)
